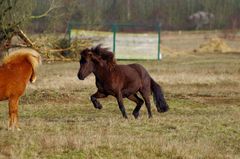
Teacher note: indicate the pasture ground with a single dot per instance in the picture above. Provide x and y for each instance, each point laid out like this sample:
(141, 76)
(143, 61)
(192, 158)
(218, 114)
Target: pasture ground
(59, 121)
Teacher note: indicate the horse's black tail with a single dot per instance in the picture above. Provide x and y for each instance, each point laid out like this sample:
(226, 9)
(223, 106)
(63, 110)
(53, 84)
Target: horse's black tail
(158, 97)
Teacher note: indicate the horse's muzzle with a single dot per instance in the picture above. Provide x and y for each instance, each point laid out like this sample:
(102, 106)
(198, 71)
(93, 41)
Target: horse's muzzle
(80, 77)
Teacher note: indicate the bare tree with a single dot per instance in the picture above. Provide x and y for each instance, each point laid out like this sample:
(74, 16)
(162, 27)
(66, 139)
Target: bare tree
(13, 14)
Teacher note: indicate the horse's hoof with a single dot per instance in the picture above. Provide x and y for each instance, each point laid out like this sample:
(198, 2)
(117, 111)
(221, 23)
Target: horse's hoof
(125, 116)
(13, 129)
(135, 114)
(98, 106)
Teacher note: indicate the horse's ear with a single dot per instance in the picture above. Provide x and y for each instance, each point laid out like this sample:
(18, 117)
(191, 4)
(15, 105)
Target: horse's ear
(85, 52)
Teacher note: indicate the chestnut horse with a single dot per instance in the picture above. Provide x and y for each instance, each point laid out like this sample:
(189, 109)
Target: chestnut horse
(18, 68)
(121, 81)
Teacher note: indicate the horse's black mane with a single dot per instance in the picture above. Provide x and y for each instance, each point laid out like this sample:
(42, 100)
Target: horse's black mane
(105, 54)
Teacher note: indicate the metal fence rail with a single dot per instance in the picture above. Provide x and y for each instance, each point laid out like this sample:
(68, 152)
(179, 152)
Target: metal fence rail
(125, 34)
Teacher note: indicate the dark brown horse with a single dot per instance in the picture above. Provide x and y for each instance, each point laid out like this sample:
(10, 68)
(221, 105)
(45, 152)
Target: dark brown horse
(121, 81)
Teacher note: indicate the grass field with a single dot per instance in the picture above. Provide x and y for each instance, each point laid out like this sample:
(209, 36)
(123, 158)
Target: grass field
(59, 121)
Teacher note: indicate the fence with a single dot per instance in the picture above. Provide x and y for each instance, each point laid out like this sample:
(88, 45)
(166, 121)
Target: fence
(127, 41)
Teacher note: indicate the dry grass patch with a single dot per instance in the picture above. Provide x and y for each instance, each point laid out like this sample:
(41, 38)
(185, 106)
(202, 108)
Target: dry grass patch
(59, 121)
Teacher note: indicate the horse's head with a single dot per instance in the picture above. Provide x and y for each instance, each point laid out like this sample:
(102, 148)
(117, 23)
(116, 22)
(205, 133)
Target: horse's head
(87, 63)
(95, 57)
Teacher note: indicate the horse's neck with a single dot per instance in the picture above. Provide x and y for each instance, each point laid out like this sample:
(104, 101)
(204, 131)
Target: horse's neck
(102, 73)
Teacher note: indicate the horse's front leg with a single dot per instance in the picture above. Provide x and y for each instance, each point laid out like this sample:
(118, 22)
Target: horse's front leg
(94, 100)
(13, 113)
(121, 106)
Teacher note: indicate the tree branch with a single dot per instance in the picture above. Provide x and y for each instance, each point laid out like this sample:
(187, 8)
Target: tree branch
(52, 7)
(24, 37)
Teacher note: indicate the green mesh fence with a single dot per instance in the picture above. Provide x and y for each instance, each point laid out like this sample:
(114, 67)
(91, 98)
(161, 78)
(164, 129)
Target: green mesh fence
(127, 41)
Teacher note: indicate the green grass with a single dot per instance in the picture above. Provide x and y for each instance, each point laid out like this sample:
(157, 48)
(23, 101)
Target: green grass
(59, 121)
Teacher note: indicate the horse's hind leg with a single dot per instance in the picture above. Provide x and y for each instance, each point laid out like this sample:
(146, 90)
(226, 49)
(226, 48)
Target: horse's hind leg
(13, 113)
(95, 101)
(145, 94)
(139, 103)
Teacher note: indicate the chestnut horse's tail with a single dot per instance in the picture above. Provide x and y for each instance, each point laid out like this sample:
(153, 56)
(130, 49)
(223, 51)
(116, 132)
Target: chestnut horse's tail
(158, 97)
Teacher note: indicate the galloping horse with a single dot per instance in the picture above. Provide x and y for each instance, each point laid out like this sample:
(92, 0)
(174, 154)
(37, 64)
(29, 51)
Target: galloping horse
(121, 81)
(18, 68)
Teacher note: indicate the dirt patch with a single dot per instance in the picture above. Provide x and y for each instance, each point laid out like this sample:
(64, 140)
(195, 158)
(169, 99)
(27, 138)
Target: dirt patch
(48, 96)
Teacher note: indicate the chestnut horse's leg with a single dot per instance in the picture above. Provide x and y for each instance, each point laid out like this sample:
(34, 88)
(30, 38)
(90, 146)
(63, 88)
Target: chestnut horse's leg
(13, 113)
(139, 103)
(145, 94)
(94, 99)
(120, 104)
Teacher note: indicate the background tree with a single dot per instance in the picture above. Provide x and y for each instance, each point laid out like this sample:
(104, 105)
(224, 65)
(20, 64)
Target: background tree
(172, 14)
(14, 14)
